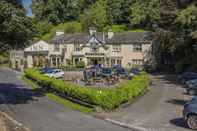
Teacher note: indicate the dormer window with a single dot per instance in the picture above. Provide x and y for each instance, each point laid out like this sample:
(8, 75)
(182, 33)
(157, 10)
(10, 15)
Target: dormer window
(56, 47)
(94, 49)
(77, 47)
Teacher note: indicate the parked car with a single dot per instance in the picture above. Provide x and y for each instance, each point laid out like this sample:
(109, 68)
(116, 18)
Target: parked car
(191, 88)
(190, 113)
(107, 72)
(118, 70)
(190, 82)
(188, 76)
(56, 73)
(135, 71)
(46, 69)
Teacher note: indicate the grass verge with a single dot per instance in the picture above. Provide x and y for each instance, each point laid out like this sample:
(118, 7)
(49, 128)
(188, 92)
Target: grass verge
(58, 99)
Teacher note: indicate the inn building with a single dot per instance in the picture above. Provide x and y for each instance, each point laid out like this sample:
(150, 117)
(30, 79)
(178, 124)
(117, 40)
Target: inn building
(129, 49)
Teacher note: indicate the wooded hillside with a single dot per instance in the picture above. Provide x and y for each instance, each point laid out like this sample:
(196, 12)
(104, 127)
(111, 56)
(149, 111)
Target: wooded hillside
(173, 21)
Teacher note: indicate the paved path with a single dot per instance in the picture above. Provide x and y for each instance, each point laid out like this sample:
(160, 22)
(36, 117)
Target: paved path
(40, 114)
(159, 110)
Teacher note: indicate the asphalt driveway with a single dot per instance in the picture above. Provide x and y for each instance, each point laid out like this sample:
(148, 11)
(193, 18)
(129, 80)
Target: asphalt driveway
(41, 114)
(159, 110)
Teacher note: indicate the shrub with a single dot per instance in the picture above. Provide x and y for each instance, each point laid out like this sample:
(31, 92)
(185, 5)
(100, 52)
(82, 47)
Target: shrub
(4, 59)
(80, 64)
(118, 28)
(106, 98)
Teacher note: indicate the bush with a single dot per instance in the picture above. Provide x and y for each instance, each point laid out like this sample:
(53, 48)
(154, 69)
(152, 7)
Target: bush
(80, 65)
(106, 98)
(4, 59)
(118, 28)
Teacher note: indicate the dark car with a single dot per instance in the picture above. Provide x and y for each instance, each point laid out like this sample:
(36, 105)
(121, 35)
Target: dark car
(191, 88)
(188, 76)
(107, 72)
(190, 113)
(118, 70)
(135, 71)
(46, 70)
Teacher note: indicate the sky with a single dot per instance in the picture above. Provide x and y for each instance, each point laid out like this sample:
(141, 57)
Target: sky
(27, 6)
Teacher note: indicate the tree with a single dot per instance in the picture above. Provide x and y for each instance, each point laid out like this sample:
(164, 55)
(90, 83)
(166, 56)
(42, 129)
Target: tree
(145, 12)
(16, 28)
(96, 16)
(57, 11)
(188, 17)
(118, 11)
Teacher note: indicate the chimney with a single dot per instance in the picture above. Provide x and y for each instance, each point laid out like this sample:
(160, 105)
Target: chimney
(59, 32)
(110, 34)
(92, 30)
(104, 38)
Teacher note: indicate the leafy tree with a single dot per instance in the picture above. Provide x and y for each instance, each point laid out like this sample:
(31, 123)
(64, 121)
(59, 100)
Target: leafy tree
(96, 16)
(119, 10)
(86, 4)
(57, 11)
(16, 28)
(188, 17)
(42, 27)
(145, 11)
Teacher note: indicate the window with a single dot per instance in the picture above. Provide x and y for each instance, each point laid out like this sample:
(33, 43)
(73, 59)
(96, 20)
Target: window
(57, 47)
(116, 48)
(137, 48)
(137, 62)
(113, 61)
(65, 48)
(77, 47)
(40, 47)
(119, 62)
(94, 49)
(34, 48)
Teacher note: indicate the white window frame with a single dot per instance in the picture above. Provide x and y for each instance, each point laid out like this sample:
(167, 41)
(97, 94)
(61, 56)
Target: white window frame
(77, 48)
(56, 47)
(137, 47)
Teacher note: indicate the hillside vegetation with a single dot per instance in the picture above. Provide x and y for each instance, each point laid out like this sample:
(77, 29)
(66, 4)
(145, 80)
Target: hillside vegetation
(174, 23)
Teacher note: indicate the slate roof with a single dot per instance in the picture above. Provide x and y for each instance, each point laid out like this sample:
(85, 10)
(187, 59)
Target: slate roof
(128, 37)
(118, 38)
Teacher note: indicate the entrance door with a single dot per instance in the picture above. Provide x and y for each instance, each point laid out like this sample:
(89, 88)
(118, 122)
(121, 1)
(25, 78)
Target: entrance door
(96, 61)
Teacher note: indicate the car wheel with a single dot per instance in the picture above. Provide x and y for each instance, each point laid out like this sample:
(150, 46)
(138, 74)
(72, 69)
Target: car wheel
(192, 122)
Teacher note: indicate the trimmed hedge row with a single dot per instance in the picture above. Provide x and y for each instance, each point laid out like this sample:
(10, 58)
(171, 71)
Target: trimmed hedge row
(107, 98)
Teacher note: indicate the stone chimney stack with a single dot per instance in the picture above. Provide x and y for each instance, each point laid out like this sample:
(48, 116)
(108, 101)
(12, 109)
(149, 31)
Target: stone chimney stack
(92, 30)
(110, 34)
(59, 32)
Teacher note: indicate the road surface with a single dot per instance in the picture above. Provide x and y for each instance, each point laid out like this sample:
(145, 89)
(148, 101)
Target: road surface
(41, 114)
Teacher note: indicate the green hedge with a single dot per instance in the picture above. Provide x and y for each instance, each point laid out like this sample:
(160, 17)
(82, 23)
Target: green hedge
(107, 98)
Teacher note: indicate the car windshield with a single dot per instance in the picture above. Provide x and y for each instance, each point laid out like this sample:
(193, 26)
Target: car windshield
(107, 71)
(49, 71)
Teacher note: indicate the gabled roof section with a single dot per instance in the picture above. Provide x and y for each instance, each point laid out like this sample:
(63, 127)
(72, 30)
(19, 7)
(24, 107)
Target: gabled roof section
(38, 46)
(118, 38)
(41, 42)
